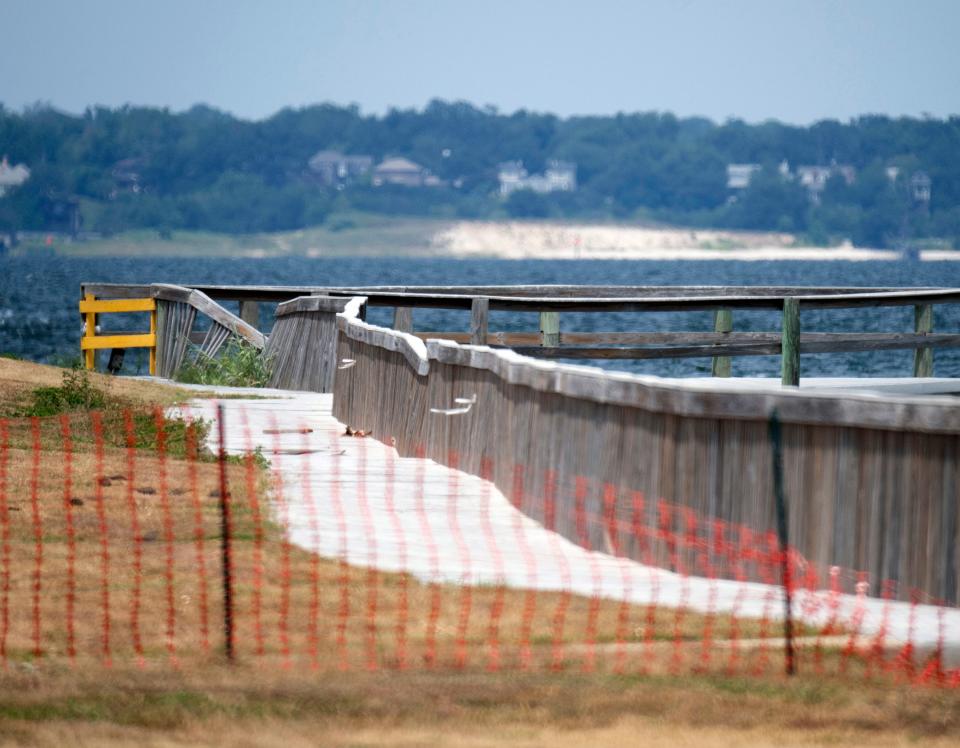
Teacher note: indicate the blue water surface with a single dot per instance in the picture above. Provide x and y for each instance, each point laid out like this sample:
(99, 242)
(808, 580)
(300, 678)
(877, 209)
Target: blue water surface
(39, 318)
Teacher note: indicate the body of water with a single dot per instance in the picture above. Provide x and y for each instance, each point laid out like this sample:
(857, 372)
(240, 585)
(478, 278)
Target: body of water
(39, 318)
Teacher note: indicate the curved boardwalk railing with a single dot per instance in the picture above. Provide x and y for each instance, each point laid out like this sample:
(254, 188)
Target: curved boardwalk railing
(871, 481)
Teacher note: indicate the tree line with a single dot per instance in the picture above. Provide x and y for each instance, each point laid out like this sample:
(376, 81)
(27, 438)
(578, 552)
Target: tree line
(141, 167)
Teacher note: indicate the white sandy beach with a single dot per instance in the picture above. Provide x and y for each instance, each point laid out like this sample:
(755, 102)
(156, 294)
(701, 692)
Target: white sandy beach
(547, 240)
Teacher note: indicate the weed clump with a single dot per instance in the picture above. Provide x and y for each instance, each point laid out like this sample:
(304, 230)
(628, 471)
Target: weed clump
(238, 365)
(76, 393)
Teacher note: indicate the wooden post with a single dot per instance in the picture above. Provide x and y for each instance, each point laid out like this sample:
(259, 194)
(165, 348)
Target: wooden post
(550, 329)
(225, 540)
(90, 331)
(153, 348)
(479, 308)
(780, 507)
(403, 319)
(923, 324)
(722, 322)
(790, 342)
(250, 313)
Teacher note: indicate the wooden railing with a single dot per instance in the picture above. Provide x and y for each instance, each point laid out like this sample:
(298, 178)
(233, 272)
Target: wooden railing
(550, 302)
(91, 341)
(173, 310)
(870, 479)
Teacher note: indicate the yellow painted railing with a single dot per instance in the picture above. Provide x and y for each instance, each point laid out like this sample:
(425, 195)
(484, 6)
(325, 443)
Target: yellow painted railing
(90, 343)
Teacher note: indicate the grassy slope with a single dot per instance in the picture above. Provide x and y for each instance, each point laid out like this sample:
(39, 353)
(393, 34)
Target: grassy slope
(370, 236)
(354, 234)
(19, 378)
(259, 702)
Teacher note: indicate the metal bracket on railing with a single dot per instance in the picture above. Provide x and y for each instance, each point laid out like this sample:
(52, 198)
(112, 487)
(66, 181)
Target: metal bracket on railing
(346, 363)
(467, 402)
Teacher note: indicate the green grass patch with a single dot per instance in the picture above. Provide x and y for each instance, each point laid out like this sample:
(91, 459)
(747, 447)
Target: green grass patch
(76, 393)
(238, 365)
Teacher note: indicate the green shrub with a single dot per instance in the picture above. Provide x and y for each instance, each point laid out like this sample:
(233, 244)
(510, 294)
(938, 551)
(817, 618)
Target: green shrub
(238, 365)
(76, 393)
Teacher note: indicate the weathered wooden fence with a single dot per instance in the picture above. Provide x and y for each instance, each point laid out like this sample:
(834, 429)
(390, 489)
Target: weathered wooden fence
(871, 482)
(177, 309)
(302, 346)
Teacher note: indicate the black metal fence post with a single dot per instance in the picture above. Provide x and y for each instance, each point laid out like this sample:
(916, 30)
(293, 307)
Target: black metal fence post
(781, 507)
(225, 537)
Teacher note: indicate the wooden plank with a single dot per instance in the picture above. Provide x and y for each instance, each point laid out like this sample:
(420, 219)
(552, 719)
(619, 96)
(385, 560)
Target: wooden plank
(403, 319)
(885, 342)
(153, 348)
(89, 332)
(312, 304)
(627, 353)
(847, 344)
(923, 325)
(144, 340)
(549, 329)
(813, 342)
(118, 305)
(790, 345)
(479, 309)
(204, 304)
(114, 290)
(592, 291)
(723, 324)
(504, 339)
(250, 312)
(539, 298)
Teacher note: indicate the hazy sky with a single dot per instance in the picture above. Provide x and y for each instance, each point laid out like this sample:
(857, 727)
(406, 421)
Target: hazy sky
(794, 60)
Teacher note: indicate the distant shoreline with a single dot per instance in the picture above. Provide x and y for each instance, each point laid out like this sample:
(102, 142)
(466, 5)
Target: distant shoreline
(509, 240)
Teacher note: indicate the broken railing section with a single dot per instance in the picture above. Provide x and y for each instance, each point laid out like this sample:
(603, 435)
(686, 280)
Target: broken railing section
(177, 309)
(171, 338)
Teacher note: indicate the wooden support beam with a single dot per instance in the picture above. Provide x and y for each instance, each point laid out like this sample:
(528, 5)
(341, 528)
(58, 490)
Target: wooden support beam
(550, 329)
(136, 340)
(89, 331)
(790, 343)
(153, 348)
(722, 323)
(403, 319)
(118, 305)
(479, 310)
(923, 325)
(842, 344)
(250, 313)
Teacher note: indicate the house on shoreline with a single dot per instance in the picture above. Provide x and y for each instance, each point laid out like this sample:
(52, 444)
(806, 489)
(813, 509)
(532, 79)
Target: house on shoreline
(12, 176)
(404, 173)
(333, 168)
(559, 176)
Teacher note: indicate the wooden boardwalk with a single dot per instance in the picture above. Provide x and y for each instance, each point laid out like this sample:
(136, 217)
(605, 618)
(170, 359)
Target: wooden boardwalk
(355, 498)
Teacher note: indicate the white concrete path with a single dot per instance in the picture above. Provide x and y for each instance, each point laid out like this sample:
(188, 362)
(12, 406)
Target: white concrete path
(355, 498)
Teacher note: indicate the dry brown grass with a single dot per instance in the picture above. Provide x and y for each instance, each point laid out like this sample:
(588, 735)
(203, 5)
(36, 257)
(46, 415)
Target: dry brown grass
(287, 686)
(19, 378)
(291, 606)
(251, 705)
